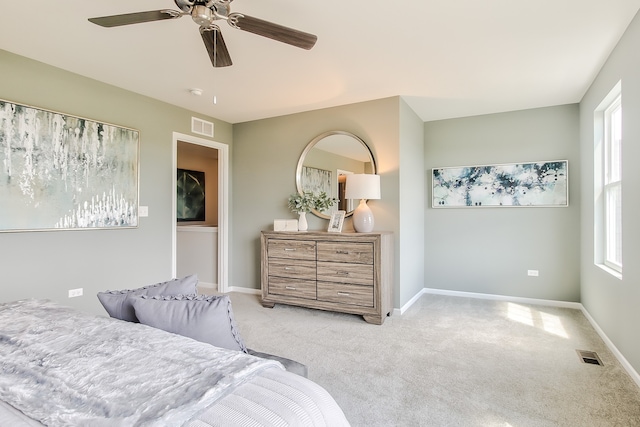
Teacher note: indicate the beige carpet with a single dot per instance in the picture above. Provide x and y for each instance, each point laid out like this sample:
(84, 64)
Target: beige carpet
(452, 361)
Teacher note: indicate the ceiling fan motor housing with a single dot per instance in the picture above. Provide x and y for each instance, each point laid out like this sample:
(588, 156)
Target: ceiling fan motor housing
(219, 7)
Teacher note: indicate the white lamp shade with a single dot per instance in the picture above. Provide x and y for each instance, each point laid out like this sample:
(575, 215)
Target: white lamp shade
(362, 186)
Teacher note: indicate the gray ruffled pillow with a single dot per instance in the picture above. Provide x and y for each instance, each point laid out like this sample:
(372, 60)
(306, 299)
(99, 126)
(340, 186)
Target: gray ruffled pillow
(118, 303)
(204, 318)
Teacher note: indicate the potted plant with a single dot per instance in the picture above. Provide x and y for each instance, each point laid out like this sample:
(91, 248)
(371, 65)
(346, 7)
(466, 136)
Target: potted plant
(304, 202)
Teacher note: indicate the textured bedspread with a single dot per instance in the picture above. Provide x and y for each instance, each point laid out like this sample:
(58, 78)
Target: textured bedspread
(63, 367)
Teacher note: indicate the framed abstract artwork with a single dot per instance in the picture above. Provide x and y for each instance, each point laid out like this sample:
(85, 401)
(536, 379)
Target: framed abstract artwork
(190, 200)
(316, 180)
(542, 184)
(61, 172)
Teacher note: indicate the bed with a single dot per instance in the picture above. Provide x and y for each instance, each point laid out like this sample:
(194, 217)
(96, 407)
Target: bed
(63, 367)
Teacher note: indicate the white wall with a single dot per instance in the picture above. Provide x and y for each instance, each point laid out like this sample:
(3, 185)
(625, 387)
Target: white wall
(614, 303)
(489, 250)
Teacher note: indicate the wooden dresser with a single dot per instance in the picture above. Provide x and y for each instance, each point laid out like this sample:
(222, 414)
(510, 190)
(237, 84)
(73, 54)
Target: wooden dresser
(343, 272)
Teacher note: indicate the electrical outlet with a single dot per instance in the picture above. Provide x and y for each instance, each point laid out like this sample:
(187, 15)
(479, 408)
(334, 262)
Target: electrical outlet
(143, 211)
(75, 293)
(532, 273)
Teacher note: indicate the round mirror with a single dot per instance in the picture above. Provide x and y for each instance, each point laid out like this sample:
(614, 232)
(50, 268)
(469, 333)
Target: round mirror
(326, 161)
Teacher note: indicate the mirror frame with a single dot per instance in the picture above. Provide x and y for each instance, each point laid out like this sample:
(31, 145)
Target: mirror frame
(308, 148)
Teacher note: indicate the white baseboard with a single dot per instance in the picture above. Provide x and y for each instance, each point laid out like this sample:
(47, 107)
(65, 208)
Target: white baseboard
(212, 288)
(242, 290)
(533, 301)
(207, 285)
(549, 303)
(400, 311)
(623, 361)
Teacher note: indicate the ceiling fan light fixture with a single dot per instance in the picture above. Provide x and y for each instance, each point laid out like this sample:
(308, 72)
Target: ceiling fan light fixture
(202, 15)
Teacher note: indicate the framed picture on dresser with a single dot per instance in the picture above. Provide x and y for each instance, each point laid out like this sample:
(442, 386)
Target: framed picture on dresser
(336, 221)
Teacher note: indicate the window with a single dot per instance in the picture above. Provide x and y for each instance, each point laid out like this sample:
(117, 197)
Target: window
(613, 185)
(608, 177)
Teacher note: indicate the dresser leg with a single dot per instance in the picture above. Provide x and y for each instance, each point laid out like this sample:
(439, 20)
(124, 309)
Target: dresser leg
(376, 320)
(267, 304)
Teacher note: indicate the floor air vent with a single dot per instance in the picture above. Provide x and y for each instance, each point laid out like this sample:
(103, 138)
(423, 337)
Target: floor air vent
(589, 357)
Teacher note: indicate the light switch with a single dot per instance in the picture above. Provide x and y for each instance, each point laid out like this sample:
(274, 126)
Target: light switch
(143, 211)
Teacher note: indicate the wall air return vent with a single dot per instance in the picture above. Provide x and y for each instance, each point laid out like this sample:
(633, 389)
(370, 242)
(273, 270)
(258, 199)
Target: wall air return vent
(201, 127)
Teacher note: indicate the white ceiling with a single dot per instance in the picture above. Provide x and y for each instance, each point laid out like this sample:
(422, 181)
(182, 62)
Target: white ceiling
(447, 58)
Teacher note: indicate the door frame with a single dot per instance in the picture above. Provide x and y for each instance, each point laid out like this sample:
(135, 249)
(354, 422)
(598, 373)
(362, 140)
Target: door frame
(223, 205)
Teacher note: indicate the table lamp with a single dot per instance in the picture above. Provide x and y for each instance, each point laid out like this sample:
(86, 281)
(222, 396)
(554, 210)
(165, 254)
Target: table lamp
(363, 187)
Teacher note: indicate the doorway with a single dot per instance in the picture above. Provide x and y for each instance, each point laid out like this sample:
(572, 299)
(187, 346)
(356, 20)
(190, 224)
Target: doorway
(222, 252)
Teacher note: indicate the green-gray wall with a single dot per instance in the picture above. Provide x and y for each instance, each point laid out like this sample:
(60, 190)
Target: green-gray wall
(47, 264)
(412, 201)
(489, 250)
(612, 302)
(266, 153)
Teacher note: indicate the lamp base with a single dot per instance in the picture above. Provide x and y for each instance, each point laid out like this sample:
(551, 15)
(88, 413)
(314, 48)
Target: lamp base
(363, 218)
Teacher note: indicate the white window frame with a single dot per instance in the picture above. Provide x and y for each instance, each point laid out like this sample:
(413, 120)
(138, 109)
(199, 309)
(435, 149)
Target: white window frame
(613, 185)
(608, 183)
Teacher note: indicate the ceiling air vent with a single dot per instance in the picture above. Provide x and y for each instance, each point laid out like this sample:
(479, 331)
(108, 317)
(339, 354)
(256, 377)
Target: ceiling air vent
(201, 127)
(589, 357)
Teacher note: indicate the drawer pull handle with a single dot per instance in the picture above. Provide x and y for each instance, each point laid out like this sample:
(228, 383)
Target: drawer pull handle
(343, 294)
(343, 252)
(342, 273)
(289, 249)
(290, 288)
(288, 268)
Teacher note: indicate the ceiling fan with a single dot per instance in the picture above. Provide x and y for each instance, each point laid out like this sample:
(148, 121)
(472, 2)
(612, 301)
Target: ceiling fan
(204, 13)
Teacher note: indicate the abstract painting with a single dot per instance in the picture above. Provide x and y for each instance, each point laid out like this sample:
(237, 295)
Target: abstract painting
(190, 201)
(60, 172)
(519, 184)
(316, 180)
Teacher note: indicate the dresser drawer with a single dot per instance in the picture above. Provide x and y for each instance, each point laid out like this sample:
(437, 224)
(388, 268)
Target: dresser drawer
(355, 253)
(292, 287)
(305, 270)
(358, 274)
(291, 249)
(345, 294)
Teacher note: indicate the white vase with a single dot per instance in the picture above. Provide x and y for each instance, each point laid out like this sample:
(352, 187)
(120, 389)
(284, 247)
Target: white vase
(302, 221)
